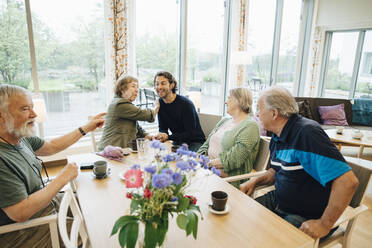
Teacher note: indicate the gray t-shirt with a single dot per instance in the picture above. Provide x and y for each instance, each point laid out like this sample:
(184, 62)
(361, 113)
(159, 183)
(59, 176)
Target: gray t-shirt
(18, 178)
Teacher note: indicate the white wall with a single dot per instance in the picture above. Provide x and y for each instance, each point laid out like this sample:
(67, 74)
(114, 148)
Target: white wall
(348, 13)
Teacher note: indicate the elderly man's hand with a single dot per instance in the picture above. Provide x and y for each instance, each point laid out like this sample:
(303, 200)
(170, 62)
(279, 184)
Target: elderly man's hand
(315, 228)
(69, 172)
(248, 187)
(95, 122)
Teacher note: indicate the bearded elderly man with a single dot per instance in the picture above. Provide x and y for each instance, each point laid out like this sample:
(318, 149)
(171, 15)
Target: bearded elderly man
(23, 194)
(313, 183)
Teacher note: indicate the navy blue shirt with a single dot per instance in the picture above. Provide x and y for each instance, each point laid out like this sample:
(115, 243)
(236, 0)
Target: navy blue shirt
(181, 118)
(306, 162)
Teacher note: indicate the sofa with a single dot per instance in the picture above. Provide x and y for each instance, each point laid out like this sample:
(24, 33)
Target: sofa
(358, 112)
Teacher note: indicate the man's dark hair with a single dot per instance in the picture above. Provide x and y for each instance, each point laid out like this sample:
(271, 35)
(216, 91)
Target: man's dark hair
(168, 76)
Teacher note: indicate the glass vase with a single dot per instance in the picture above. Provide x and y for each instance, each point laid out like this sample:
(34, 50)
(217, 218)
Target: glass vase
(141, 237)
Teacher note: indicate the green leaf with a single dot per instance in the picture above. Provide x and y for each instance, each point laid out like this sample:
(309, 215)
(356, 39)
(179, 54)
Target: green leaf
(162, 229)
(134, 205)
(123, 236)
(122, 221)
(191, 222)
(150, 235)
(131, 234)
(183, 203)
(195, 229)
(182, 221)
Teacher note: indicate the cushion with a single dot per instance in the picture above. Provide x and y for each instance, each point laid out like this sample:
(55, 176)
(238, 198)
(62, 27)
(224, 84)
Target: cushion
(333, 115)
(304, 109)
(362, 112)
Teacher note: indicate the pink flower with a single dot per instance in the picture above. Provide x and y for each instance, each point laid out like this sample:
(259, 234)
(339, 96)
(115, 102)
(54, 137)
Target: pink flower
(133, 178)
(193, 199)
(147, 193)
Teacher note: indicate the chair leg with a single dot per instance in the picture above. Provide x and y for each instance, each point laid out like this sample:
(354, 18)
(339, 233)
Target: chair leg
(54, 234)
(349, 229)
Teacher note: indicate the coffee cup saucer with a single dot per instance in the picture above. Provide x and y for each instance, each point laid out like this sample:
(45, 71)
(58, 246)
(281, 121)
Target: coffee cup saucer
(225, 211)
(102, 177)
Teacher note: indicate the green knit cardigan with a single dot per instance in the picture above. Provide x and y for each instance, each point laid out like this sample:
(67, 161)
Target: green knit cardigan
(239, 147)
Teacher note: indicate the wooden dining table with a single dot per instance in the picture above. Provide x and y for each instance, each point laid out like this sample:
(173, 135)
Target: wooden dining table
(247, 224)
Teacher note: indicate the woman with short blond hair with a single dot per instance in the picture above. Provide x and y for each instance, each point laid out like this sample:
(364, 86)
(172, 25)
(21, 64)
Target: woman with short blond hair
(233, 144)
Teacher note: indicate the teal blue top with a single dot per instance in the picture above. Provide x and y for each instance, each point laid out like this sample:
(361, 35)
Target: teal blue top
(239, 147)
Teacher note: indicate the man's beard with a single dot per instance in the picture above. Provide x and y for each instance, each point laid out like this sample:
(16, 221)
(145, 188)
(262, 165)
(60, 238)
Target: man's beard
(24, 131)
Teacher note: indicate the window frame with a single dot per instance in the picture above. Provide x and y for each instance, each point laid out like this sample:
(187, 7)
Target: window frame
(357, 59)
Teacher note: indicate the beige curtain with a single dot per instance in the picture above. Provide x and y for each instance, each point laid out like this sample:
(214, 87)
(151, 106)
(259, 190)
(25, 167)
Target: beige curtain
(118, 37)
(242, 38)
(316, 60)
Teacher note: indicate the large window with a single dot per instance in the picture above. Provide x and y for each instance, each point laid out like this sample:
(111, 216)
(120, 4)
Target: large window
(15, 65)
(347, 66)
(264, 44)
(156, 25)
(70, 60)
(204, 54)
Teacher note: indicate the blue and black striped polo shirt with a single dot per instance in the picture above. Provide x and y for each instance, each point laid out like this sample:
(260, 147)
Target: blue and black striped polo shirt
(306, 162)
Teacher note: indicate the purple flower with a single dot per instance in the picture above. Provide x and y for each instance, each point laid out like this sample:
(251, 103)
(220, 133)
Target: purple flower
(156, 144)
(161, 180)
(174, 198)
(216, 171)
(135, 167)
(169, 157)
(167, 171)
(193, 163)
(177, 178)
(204, 160)
(193, 154)
(150, 169)
(183, 165)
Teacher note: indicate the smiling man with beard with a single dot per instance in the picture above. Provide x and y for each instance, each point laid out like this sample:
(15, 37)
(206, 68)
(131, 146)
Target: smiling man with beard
(177, 114)
(23, 194)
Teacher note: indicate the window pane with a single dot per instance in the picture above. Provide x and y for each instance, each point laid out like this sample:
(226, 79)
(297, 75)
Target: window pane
(364, 84)
(15, 65)
(252, 69)
(286, 74)
(340, 64)
(70, 60)
(156, 39)
(204, 54)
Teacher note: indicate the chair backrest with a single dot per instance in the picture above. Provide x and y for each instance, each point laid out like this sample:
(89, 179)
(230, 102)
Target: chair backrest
(362, 170)
(263, 155)
(93, 134)
(150, 97)
(78, 224)
(208, 122)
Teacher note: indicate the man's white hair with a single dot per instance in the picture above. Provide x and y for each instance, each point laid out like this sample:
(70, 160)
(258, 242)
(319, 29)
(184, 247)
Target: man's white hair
(7, 91)
(281, 99)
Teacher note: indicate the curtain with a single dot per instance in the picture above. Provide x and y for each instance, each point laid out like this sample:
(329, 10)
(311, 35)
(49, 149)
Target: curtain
(316, 60)
(242, 35)
(117, 38)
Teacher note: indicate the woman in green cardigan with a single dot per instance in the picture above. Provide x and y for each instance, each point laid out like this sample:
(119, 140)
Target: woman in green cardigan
(233, 144)
(121, 125)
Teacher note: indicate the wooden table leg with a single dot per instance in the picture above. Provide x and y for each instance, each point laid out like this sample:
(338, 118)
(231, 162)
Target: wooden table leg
(361, 148)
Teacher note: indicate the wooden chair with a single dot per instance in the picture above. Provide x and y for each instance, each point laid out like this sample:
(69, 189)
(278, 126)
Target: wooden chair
(51, 220)
(362, 170)
(98, 132)
(260, 164)
(208, 122)
(78, 224)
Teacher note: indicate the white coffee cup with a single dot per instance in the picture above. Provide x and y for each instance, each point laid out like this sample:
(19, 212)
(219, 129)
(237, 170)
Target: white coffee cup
(357, 134)
(340, 129)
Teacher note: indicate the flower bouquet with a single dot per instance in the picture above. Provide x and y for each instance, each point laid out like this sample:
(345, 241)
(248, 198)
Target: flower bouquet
(157, 192)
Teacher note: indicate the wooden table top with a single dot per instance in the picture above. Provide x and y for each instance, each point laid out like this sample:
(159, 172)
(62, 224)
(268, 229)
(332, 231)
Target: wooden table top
(247, 224)
(346, 137)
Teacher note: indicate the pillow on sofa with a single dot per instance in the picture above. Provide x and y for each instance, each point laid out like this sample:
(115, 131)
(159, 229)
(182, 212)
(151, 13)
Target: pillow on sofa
(304, 109)
(333, 115)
